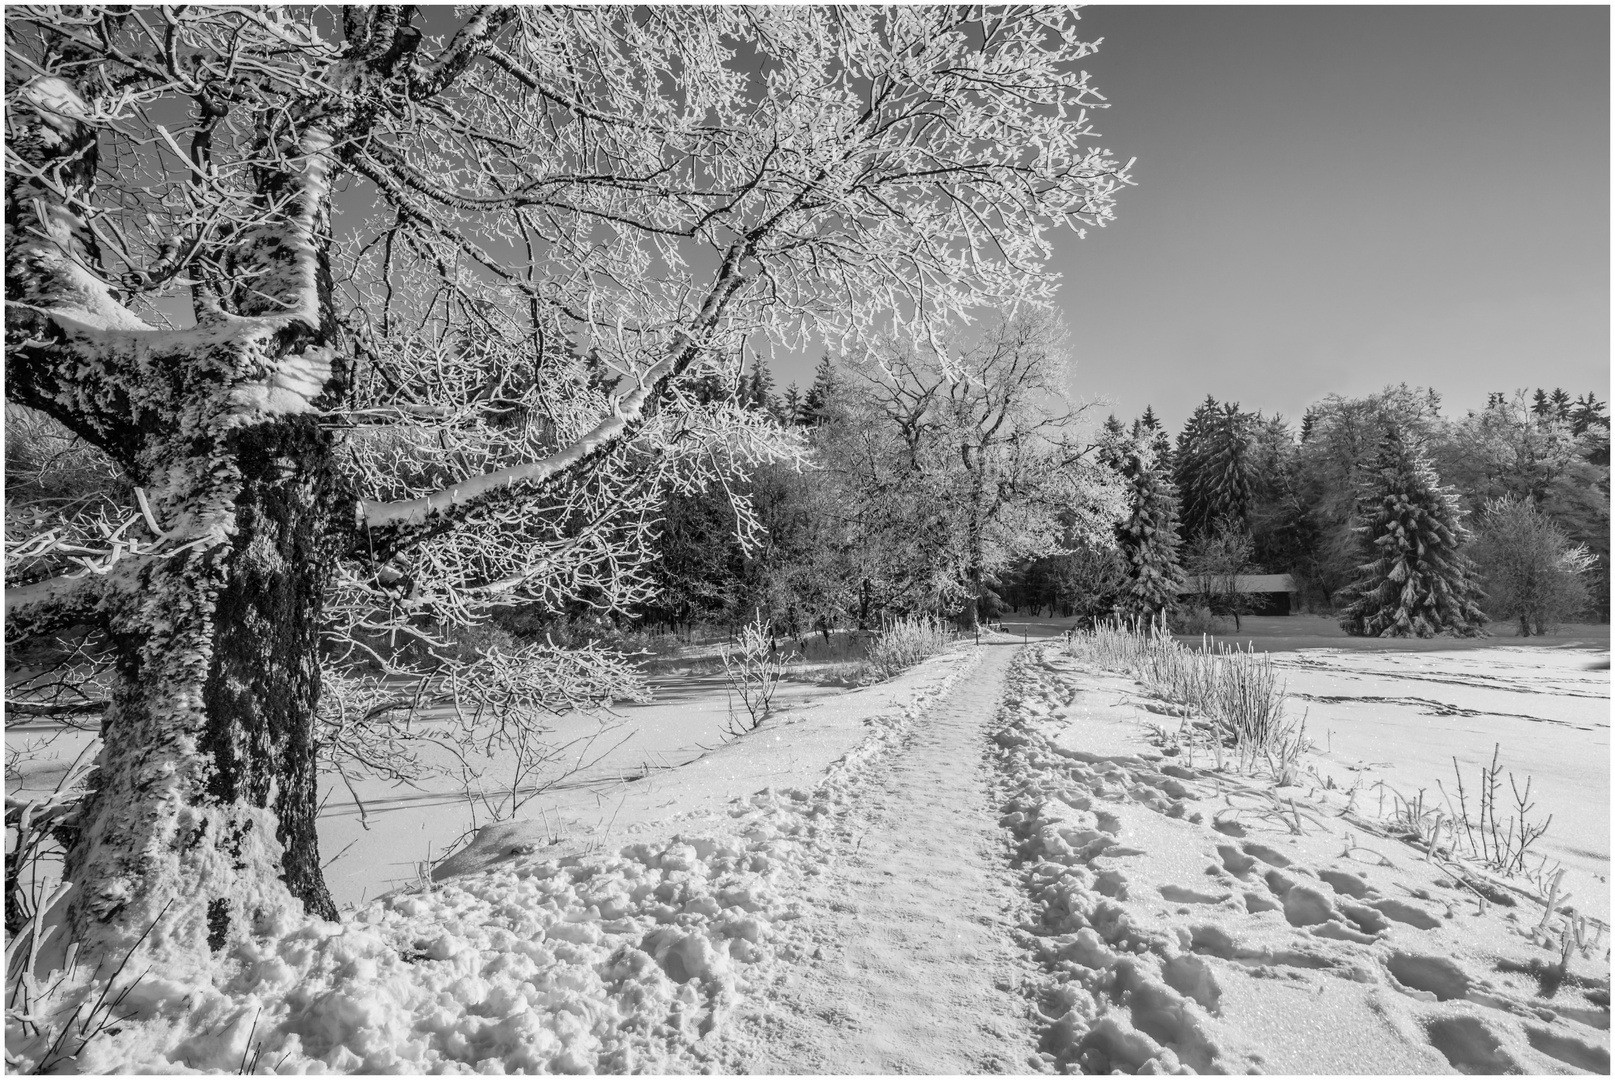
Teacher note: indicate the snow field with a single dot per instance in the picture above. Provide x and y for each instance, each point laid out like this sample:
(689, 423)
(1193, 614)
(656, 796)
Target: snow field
(630, 961)
(1183, 926)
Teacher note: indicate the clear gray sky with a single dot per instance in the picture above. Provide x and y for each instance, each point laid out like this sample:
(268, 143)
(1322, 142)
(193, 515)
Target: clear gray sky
(1334, 198)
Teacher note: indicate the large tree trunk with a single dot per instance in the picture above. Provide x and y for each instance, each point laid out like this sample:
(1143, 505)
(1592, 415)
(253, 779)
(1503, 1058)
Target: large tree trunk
(204, 812)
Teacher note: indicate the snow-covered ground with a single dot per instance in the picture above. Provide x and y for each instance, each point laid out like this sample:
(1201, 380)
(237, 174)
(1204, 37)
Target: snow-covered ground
(1187, 919)
(982, 865)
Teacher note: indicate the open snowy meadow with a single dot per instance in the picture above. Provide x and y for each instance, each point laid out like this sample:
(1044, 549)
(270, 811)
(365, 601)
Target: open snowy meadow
(1001, 860)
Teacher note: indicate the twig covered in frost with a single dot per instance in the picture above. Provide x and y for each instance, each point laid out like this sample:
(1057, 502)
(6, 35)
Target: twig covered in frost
(753, 671)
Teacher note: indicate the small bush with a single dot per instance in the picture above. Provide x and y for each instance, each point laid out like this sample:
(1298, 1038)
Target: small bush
(1193, 620)
(905, 643)
(754, 671)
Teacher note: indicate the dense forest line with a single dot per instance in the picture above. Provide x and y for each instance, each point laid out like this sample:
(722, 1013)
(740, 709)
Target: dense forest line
(892, 515)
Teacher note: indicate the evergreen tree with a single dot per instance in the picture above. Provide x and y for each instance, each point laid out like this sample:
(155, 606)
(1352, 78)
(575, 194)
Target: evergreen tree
(817, 403)
(1588, 413)
(1230, 473)
(1149, 428)
(790, 406)
(698, 565)
(1216, 467)
(1189, 462)
(1147, 538)
(1309, 420)
(1283, 537)
(758, 391)
(1415, 580)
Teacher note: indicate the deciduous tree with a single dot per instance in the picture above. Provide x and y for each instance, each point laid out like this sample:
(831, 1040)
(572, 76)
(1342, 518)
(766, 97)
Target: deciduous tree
(1532, 571)
(304, 276)
(984, 436)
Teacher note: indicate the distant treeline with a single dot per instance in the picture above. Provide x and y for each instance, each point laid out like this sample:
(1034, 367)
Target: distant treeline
(878, 523)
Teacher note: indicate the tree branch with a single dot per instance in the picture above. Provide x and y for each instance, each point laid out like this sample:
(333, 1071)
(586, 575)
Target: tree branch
(55, 604)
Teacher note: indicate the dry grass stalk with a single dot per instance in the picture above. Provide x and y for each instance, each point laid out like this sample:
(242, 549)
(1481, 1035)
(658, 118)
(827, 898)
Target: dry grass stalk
(1238, 692)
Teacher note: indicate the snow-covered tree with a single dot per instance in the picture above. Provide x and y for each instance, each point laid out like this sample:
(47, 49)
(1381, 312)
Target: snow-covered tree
(306, 278)
(1507, 451)
(1213, 564)
(1217, 467)
(1532, 571)
(1415, 580)
(790, 406)
(1340, 437)
(821, 392)
(1147, 538)
(894, 538)
(1149, 426)
(984, 439)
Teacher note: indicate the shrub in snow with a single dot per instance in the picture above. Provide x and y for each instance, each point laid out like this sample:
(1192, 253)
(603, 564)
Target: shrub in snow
(753, 669)
(905, 643)
(1415, 580)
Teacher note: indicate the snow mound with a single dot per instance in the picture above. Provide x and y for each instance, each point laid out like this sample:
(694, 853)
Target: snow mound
(621, 962)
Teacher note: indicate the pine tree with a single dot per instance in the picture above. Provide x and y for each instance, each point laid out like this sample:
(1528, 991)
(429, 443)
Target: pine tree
(1148, 538)
(1149, 427)
(1230, 473)
(1216, 467)
(790, 406)
(758, 391)
(1415, 580)
(1588, 413)
(1309, 420)
(1189, 462)
(817, 402)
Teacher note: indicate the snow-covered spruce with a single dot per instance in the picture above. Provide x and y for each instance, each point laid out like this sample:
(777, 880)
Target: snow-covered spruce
(618, 962)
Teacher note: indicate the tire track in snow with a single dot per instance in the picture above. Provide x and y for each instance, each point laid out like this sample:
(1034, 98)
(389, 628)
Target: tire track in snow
(916, 970)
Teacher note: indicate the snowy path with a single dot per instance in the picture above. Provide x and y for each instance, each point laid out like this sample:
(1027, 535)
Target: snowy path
(915, 969)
